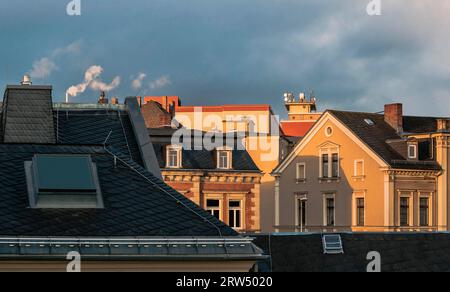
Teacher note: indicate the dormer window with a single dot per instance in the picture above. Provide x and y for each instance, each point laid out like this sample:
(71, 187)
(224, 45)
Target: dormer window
(63, 181)
(224, 158)
(174, 156)
(412, 151)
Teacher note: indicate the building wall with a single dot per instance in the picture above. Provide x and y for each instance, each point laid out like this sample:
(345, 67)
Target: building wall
(380, 187)
(201, 186)
(369, 186)
(264, 148)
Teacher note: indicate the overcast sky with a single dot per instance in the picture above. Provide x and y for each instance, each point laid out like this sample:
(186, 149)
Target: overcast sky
(236, 51)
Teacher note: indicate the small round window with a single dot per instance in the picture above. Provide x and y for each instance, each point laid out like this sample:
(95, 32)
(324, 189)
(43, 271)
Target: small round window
(329, 131)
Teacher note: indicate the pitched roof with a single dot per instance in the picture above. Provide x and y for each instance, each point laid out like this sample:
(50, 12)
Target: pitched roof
(205, 159)
(136, 203)
(198, 159)
(384, 140)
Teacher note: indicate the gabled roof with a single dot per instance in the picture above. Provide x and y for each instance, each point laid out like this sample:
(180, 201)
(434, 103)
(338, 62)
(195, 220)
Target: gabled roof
(379, 137)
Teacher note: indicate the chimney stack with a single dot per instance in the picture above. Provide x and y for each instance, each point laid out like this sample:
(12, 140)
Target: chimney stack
(114, 100)
(102, 99)
(393, 115)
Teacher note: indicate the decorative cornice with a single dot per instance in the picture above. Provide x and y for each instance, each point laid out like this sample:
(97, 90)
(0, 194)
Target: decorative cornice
(416, 173)
(211, 177)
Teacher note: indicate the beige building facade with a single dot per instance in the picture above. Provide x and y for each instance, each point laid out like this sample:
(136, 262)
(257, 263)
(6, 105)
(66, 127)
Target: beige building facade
(366, 172)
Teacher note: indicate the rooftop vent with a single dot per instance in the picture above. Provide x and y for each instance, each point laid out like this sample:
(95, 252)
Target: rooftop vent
(332, 244)
(26, 80)
(369, 122)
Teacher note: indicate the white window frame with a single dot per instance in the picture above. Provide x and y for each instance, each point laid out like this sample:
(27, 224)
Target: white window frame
(220, 208)
(179, 151)
(412, 146)
(240, 208)
(355, 170)
(325, 209)
(229, 153)
(329, 151)
(299, 198)
(300, 177)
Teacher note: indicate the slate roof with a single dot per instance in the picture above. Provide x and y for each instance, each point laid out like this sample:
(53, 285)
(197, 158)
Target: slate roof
(204, 159)
(28, 117)
(92, 127)
(384, 140)
(400, 252)
(136, 203)
(198, 159)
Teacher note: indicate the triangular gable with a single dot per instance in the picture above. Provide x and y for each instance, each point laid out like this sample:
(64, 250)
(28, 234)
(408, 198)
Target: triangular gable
(327, 117)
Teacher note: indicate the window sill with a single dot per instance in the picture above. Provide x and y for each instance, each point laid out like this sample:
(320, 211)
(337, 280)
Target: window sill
(300, 181)
(329, 179)
(359, 178)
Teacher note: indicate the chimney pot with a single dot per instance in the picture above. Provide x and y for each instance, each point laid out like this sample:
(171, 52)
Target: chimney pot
(393, 115)
(26, 80)
(102, 99)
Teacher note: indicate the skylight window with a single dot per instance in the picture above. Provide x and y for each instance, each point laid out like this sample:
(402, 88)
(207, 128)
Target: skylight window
(63, 181)
(369, 122)
(332, 244)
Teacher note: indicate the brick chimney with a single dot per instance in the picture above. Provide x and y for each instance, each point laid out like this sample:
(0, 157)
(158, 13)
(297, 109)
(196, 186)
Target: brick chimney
(393, 115)
(102, 99)
(114, 100)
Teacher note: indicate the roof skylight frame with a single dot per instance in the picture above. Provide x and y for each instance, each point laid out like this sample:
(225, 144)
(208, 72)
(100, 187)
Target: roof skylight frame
(63, 198)
(369, 122)
(332, 244)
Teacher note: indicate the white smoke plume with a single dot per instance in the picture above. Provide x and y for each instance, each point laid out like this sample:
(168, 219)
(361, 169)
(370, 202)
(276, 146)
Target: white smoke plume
(45, 66)
(137, 83)
(160, 82)
(92, 80)
(42, 68)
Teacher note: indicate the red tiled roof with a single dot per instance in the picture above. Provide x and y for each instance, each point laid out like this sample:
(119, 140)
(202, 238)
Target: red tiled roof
(296, 128)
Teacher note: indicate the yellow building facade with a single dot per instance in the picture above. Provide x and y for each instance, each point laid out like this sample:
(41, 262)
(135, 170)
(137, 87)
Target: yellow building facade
(366, 172)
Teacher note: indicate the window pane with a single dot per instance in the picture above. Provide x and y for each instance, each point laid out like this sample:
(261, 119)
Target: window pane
(223, 159)
(173, 158)
(335, 170)
(330, 212)
(360, 212)
(234, 204)
(424, 212)
(302, 212)
(404, 212)
(212, 203)
(216, 213)
(231, 222)
(63, 172)
(238, 219)
(325, 165)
